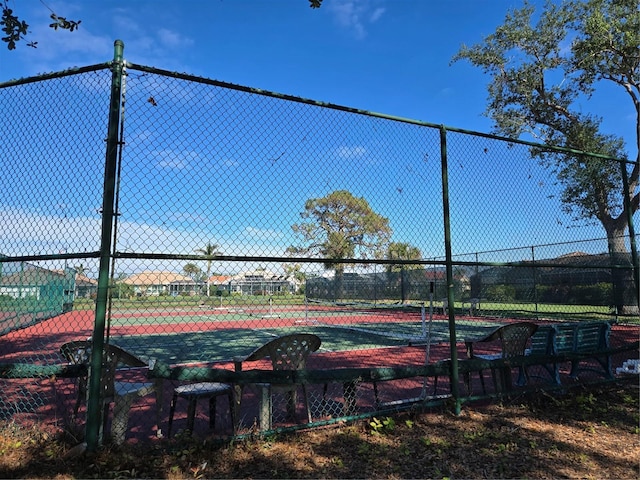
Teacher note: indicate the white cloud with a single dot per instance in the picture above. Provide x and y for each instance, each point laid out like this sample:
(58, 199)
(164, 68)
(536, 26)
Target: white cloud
(172, 39)
(175, 160)
(27, 232)
(262, 234)
(377, 13)
(351, 152)
(230, 163)
(355, 15)
(92, 42)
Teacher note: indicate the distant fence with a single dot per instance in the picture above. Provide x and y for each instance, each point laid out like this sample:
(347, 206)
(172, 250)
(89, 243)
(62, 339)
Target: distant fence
(178, 205)
(578, 279)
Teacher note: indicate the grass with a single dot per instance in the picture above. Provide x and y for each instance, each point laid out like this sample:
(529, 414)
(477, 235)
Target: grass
(493, 308)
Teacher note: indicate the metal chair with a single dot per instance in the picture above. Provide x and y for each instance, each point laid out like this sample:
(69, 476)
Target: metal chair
(203, 390)
(288, 352)
(120, 393)
(513, 339)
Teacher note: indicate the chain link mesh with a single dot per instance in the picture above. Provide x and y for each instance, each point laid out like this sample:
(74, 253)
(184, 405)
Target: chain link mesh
(212, 181)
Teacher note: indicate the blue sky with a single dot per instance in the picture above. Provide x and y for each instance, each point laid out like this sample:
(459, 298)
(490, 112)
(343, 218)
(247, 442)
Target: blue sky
(379, 55)
(384, 56)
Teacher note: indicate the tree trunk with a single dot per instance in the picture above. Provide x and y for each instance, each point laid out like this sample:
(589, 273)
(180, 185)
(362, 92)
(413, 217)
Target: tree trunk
(403, 286)
(338, 281)
(625, 291)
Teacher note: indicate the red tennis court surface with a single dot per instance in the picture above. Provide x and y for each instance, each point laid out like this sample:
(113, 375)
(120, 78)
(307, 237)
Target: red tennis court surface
(50, 400)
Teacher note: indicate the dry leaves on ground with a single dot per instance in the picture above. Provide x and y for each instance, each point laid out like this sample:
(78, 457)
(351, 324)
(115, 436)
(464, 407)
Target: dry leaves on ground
(588, 433)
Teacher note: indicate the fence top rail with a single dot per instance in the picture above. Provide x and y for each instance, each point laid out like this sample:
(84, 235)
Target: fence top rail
(317, 103)
(293, 98)
(52, 75)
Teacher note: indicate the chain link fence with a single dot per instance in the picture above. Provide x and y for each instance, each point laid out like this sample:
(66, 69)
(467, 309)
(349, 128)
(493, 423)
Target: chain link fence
(225, 217)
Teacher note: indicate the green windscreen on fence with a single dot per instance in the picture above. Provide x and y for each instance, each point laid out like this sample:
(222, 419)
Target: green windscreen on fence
(30, 294)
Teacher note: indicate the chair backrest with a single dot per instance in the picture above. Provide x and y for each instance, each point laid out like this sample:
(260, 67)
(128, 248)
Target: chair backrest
(592, 336)
(542, 340)
(288, 352)
(76, 352)
(79, 352)
(565, 338)
(514, 338)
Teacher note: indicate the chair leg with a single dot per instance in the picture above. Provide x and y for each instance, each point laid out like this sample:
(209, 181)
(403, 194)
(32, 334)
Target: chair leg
(237, 404)
(523, 376)
(307, 403)
(77, 405)
(376, 397)
(232, 411)
(121, 409)
(212, 412)
(484, 388)
(191, 414)
(507, 380)
(159, 393)
(467, 381)
(324, 400)
(105, 419)
(292, 401)
(172, 410)
(265, 407)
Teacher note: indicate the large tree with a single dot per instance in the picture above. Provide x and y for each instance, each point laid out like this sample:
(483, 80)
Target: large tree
(403, 251)
(210, 250)
(395, 272)
(543, 66)
(341, 227)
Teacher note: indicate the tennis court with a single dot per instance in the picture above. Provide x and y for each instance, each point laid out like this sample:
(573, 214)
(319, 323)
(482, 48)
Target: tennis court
(212, 336)
(202, 262)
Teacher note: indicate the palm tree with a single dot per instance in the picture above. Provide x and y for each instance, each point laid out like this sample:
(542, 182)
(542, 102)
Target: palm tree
(209, 251)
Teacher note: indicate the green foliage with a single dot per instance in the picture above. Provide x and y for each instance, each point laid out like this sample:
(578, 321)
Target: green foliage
(598, 294)
(501, 293)
(16, 29)
(403, 251)
(193, 271)
(540, 87)
(339, 227)
(63, 23)
(209, 251)
(122, 290)
(385, 425)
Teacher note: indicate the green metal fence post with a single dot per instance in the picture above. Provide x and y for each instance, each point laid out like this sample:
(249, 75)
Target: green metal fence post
(94, 404)
(449, 268)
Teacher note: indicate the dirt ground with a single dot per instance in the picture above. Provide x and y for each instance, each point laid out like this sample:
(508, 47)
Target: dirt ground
(589, 433)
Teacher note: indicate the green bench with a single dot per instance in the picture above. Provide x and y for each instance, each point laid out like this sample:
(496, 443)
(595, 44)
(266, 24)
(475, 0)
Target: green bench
(588, 339)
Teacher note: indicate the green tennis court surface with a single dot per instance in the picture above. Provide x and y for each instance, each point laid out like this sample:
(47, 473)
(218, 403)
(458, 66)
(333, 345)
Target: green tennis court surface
(244, 313)
(224, 344)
